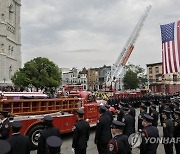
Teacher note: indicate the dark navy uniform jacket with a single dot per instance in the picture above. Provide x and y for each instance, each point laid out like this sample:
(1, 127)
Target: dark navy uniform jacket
(132, 112)
(177, 134)
(168, 128)
(109, 113)
(81, 132)
(155, 115)
(120, 115)
(129, 124)
(20, 144)
(4, 129)
(103, 129)
(148, 132)
(140, 119)
(177, 128)
(118, 145)
(47, 132)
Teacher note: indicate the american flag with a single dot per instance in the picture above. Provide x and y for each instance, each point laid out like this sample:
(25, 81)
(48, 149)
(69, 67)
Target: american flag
(170, 34)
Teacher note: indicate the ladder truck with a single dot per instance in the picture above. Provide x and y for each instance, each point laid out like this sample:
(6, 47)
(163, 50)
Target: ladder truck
(116, 72)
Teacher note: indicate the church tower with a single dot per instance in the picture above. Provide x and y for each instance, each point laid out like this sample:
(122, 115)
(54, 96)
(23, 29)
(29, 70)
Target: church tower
(10, 40)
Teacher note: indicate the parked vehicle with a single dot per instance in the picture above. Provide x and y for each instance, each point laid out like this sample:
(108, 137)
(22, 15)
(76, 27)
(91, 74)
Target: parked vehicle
(31, 112)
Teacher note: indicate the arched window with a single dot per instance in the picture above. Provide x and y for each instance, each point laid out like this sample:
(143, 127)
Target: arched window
(10, 70)
(9, 50)
(10, 13)
(12, 49)
(2, 48)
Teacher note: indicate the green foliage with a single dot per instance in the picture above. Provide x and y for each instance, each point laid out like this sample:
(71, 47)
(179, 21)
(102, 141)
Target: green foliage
(130, 80)
(135, 77)
(39, 72)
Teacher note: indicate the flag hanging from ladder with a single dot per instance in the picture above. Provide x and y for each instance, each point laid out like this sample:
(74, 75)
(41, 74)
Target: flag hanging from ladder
(170, 34)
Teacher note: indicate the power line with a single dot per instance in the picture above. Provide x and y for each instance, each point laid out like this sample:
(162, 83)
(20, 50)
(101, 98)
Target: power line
(155, 15)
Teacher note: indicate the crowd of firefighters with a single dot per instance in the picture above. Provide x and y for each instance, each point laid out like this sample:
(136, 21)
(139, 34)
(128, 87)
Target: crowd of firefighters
(152, 109)
(112, 132)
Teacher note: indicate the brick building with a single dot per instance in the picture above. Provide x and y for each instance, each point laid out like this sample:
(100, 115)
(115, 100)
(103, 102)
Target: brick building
(159, 83)
(93, 79)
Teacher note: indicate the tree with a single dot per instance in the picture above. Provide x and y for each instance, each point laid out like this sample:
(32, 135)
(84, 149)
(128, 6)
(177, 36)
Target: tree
(135, 74)
(130, 80)
(40, 73)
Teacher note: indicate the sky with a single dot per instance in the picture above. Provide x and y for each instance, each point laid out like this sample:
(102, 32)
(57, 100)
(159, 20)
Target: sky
(92, 33)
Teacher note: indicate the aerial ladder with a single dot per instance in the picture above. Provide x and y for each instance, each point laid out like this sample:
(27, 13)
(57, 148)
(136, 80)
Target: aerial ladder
(117, 69)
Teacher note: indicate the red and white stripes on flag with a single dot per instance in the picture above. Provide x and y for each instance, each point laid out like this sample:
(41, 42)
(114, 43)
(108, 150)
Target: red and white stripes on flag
(170, 34)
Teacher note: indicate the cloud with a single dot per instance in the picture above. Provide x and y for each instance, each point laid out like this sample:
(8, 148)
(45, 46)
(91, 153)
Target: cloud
(92, 33)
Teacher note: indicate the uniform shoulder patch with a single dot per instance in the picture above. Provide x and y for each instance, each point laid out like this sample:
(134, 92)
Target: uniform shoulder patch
(175, 124)
(73, 128)
(111, 147)
(143, 134)
(6, 126)
(164, 124)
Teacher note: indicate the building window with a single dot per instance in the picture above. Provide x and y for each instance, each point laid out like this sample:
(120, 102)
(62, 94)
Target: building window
(157, 70)
(150, 79)
(157, 79)
(2, 48)
(174, 77)
(11, 11)
(10, 70)
(150, 70)
(9, 50)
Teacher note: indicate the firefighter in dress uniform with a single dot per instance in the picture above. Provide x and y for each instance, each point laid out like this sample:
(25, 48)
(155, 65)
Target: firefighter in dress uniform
(108, 112)
(143, 110)
(103, 131)
(161, 108)
(81, 131)
(167, 131)
(155, 115)
(128, 121)
(120, 111)
(49, 130)
(53, 145)
(19, 143)
(132, 112)
(148, 131)
(119, 143)
(177, 130)
(4, 125)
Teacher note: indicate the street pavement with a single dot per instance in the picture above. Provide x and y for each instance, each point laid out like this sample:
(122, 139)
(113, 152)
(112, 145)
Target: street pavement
(66, 147)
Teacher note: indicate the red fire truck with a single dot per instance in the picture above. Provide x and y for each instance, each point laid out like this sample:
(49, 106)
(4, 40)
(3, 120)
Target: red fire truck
(32, 110)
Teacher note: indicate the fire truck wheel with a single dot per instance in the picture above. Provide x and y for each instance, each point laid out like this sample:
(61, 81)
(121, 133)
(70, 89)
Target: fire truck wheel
(34, 134)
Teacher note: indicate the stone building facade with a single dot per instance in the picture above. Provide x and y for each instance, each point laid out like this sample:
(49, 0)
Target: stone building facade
(10, 39)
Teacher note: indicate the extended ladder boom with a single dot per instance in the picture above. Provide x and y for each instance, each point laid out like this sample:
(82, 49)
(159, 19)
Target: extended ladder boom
(122, 59)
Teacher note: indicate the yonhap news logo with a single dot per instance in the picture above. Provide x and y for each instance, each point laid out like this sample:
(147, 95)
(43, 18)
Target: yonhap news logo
(135, 140)
(162, 140)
